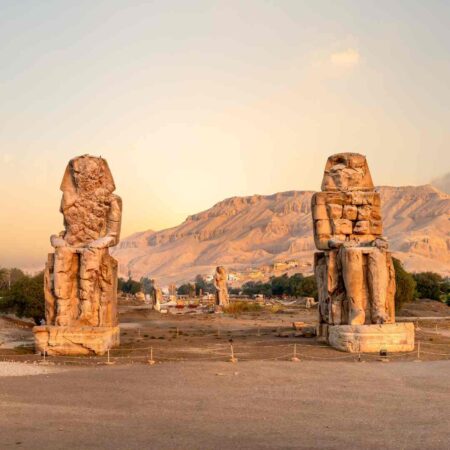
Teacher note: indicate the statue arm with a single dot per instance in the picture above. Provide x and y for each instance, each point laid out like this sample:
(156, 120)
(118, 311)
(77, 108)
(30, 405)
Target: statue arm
(115, 219)
(57, 240)
(113, 226)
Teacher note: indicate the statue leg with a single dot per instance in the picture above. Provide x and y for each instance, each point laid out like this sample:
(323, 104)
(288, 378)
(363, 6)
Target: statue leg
(63, 283)
(352, 267)
(377, 277)
(90, 285)
(225, 301)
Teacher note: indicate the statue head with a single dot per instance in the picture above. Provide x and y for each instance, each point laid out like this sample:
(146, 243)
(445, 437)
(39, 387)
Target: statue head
(221, 270)
(347, 172)
(85, 174)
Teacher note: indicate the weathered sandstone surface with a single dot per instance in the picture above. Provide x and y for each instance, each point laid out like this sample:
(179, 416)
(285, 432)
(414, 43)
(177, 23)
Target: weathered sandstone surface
(353, 268)
(80, 281)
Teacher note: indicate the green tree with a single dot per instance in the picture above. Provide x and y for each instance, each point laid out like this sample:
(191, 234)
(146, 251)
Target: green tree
(406, 285)
(295, 285)
(202, 285)
(429, 285)
(26, 298)
(129, 286)
(280, 285)
(9, 276)
(309, 287)
(252, 288)
(186, 289)
(146, 285)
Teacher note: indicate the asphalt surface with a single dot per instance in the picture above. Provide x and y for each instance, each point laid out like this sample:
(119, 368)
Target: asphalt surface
(252, 405)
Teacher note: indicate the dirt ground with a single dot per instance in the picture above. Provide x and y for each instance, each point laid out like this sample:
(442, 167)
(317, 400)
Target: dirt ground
(257, 336)
(218, 405)
(192, 397)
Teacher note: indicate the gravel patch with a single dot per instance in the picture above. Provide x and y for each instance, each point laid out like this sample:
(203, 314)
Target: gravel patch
(14, 369)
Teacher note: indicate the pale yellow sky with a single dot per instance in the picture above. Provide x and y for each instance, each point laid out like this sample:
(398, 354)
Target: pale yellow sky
(197, 101)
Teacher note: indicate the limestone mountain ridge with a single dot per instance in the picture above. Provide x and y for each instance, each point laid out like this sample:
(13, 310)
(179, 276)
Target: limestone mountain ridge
(260, 230)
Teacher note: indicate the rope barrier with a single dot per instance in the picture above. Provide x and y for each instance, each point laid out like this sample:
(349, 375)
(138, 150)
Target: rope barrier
(241, 349)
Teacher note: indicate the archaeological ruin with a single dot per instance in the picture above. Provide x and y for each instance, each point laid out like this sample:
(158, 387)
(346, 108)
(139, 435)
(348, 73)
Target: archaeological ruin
(81, 276)
(354, 268)
(220, 283)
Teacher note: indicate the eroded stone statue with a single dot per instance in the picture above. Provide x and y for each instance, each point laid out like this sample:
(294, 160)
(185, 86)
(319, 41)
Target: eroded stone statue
(81, 276)
(354, 270)
(157, 296)
(220, 283)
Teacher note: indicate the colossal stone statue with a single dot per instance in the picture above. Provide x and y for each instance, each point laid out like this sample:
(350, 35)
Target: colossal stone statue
(354, 270)
(80, 276)
(220, 283)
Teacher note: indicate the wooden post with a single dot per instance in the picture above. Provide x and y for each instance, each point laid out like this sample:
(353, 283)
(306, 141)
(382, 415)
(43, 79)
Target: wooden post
(232, 358)
(294, 358)
(151, 361)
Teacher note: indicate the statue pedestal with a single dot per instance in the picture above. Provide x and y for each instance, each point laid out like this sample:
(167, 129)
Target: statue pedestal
(393, 337)
(75, 340)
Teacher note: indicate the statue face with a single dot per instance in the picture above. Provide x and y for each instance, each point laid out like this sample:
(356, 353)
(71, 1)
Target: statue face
(347, 171)
(87, 173)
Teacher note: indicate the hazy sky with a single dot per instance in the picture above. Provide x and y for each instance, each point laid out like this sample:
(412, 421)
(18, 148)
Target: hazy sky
(195, 101)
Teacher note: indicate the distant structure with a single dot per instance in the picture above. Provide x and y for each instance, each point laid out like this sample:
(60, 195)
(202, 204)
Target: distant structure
(354, 269)
(220, 283)
(80, 276)
(156, 296)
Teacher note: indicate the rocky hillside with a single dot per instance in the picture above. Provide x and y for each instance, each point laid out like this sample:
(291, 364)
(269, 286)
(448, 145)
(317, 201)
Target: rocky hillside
(243, 232)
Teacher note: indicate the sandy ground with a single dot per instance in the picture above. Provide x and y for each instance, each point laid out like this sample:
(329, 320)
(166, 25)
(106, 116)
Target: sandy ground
(191, 398)
(253, 405)
(262, 336)
(17, 369)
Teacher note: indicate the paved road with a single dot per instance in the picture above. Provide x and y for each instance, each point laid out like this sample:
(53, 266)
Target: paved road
(254, 405)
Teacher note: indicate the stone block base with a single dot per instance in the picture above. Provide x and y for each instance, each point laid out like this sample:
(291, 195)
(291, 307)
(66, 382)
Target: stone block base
(395, 337)
(75, 340)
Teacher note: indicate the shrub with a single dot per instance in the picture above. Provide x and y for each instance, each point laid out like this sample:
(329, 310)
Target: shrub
(9, 276)
(26, 298)
(129, 286)
(255, 288)
(186, 289)
(240, 307)
(297, 285)
(430, 285)
(309, 287)
(406, 285)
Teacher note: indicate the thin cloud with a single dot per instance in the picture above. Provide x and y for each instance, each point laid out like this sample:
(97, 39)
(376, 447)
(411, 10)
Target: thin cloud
(348, 58)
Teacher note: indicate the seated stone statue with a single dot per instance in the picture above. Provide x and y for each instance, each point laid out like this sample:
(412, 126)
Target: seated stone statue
(81, 276)
(354, 271)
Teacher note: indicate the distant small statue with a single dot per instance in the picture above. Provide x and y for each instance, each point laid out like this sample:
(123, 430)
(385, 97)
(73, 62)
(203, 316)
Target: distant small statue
(220, 283)
(80, 276)
(157, 296)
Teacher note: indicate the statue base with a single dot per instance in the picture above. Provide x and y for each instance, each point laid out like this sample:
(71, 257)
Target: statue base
(59, 341)
(392, 337)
